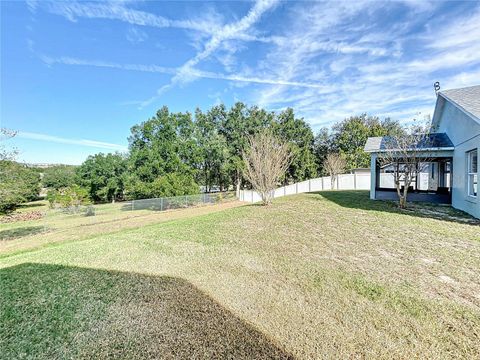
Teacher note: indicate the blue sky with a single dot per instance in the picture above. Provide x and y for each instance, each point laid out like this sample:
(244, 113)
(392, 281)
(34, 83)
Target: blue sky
(75, 76)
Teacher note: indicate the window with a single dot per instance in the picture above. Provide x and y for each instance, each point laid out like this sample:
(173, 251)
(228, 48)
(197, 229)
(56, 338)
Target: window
(472, 172)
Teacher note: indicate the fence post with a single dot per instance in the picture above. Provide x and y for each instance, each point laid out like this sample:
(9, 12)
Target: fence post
(133, 201)
(161, 204)
(354, 181)
(322, 184)
(252, 195)
(296, 188)
(309, 185)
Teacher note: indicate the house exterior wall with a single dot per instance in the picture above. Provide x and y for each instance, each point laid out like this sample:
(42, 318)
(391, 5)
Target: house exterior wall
(465, 135)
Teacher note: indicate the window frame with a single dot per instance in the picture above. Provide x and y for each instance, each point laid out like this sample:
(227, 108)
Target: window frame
(471, 173)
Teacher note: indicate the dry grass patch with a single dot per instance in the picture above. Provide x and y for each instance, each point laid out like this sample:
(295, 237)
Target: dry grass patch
(329, 275)
(58, 227)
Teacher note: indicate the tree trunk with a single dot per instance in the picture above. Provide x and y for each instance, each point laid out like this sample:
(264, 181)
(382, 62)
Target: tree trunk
(401, 201)
(266, 197)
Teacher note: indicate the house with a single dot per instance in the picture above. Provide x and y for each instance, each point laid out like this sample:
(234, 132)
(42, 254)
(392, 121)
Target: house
(452, 172)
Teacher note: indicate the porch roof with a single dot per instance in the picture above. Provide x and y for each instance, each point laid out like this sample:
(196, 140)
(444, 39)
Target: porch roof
(432, 142)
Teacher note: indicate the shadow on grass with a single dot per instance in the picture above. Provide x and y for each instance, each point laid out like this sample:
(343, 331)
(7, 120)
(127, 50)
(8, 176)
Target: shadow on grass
(12, 234)
(31, 205)
(361, 200)
(51, 311)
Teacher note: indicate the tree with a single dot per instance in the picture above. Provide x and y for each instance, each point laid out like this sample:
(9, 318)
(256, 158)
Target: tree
(58, 177)
(266, 161)
(298, 134)
(405, 151)
(213, 148)
(321, 147)
(18, 184)
(334, 164)
(349, 137)
(235, 131)
(162, 145)
(240, 123)
(103, 176)
(6, 154)
(174, 185)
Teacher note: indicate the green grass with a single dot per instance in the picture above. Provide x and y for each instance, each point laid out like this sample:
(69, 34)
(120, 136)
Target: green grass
(316, 275)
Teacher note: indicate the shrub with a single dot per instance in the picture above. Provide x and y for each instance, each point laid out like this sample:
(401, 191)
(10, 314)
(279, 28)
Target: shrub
(70, 198)
(90, 211)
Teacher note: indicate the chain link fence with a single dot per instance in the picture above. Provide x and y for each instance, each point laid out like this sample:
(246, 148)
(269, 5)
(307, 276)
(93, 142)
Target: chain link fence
(178, 202)
(156, 204)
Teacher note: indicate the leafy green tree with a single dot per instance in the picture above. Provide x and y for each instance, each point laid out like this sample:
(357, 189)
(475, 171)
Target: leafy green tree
(321, 148)
(298, 134)
(240, 123)
(349, 137)
(213, 148)
(58, 177)
(235, 129)
(18, 184)
(103, 175)
(174, 185)
(162, 145)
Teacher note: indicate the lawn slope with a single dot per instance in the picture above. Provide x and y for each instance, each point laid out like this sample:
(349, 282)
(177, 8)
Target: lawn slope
(315, 275)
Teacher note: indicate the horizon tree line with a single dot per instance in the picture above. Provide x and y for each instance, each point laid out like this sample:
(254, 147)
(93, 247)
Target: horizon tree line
(174, 153)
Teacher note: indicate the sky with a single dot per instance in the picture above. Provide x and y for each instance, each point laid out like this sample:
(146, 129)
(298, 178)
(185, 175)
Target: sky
(76, 76)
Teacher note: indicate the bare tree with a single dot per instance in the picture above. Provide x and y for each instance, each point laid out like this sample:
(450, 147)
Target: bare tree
(266, 162)
(6, 154)
(408, 153)
(334, 164)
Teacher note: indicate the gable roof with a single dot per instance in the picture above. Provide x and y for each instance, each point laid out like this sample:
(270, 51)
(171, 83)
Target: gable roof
(467, 99)
(433, 142)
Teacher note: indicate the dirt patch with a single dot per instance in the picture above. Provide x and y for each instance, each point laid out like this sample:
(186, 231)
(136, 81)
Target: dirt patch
(19, 216)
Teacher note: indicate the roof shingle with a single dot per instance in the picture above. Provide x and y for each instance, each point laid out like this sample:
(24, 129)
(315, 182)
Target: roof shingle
(433, 141)
(468, 98)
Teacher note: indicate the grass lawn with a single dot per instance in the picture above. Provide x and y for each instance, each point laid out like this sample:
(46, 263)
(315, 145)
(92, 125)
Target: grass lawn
(311, 276)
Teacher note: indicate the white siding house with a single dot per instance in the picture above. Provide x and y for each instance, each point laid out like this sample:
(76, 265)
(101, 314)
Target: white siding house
(453, 174)
(457, 113)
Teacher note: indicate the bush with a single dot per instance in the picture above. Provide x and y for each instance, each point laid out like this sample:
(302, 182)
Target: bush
(70, 198)
(90, 211)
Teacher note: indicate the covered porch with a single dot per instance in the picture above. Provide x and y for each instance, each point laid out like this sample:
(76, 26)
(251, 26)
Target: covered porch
(433, 158)
(433, 184)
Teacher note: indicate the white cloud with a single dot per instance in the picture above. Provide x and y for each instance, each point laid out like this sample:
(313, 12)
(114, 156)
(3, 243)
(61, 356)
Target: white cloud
(193, 73)
(135, 35)
(116, 10)
(367, 68)
(81, 142)
(328, 60)
(236, 30)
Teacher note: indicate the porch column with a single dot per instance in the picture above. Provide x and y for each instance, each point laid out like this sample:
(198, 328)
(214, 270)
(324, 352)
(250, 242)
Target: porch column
(373, 175)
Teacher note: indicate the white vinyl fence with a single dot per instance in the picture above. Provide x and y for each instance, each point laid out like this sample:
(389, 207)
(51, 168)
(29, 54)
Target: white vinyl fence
(343, 182)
